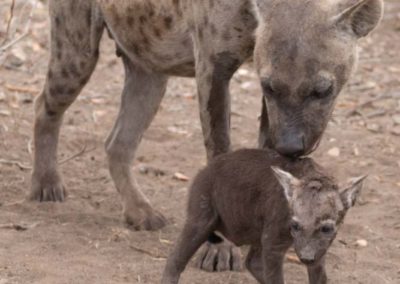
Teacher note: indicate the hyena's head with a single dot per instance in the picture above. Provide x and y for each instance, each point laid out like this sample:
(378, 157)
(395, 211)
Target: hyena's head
(305, 52)
(317, 211)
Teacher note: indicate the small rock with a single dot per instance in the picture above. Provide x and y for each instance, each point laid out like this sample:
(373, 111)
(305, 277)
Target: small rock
(177, 130)
(395, 131)
(246, 85)
(334, 152)
(396, 118)
(2, 97)
(362, 243)
(243, 72)
(4, 112)
(374, 127)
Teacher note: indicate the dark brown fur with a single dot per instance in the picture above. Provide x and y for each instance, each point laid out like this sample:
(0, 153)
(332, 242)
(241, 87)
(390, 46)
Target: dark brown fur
(240, 196)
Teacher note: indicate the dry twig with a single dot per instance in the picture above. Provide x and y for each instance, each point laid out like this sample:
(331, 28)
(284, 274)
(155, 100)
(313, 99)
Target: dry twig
(80, 153)
(149, 253)
(21, 89)
(26, 167)
(18, 227)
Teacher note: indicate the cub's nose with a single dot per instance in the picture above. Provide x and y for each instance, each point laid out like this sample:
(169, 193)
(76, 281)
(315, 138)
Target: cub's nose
(291, 145)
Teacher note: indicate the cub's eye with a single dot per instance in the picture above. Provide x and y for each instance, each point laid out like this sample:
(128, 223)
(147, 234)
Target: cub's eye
(327, 229)
(321, 94)
(295, 226)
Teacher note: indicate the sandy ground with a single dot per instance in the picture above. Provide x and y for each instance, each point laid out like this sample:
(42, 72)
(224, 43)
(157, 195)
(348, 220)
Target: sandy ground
(84, 241)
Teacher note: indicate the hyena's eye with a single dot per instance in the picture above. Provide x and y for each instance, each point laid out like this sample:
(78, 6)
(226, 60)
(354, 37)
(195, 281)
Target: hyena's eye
(322, 88)
(318, 94)
(327, 229)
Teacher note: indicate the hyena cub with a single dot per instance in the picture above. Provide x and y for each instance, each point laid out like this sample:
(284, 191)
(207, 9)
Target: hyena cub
(257, 198)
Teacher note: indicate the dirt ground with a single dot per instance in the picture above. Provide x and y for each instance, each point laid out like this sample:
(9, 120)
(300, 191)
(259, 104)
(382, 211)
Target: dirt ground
(84, 241)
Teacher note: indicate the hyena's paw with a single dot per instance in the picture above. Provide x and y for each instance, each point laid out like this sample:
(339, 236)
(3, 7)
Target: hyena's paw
(224, 256)
(144, 218)
(48, 187)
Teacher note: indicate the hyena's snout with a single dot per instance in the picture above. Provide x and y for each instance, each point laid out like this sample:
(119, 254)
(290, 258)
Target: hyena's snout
(291, 143)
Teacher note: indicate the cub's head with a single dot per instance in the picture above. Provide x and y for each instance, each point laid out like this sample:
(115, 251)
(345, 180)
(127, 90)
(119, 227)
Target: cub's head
(317, 211)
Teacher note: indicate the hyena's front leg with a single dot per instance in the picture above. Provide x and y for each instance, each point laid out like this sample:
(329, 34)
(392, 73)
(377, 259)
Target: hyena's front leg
(141, 98)
(213, 73)
(221, 46)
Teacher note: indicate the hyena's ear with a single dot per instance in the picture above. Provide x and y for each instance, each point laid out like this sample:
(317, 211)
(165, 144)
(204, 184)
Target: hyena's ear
(362, 17)
(350, 194)
(288, 182)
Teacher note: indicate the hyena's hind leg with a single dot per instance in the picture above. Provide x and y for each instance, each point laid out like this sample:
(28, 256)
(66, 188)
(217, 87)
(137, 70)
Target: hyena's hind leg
(76, 29)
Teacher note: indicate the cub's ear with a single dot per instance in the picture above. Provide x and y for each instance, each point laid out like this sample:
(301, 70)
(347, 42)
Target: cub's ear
(362, 17)
(350, 194)
(287, 181)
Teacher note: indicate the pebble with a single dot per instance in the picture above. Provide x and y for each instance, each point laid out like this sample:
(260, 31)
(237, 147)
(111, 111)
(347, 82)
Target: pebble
(334, 152)
(362, 243)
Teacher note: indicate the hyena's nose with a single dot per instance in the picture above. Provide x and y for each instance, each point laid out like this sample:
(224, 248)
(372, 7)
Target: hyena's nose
(307, 261)
(291, 145)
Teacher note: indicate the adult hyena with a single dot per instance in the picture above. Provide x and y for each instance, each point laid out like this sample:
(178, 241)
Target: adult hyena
(304, 52)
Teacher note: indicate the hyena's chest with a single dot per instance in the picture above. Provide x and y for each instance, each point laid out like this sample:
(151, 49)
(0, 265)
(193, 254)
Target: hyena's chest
(153, 34)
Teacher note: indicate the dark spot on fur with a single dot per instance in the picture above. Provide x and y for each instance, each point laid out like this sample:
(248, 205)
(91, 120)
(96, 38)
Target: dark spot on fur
(88, 17)
(96, 52)
(136, 49)
(70, 91)
(142, 19)
(227, 35)
(130, 20)
(58, 43)
(73, 70)
(57, 21)
(56, 90)
(157, 32)
(82, 64)
(49, 112)
(200, 34)
(205, 21)
(63, 104)
(168, 21)
(84, 80)
(238, 29)
(64, 73)
(211, 3)
(59, 55)
(213, 30)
